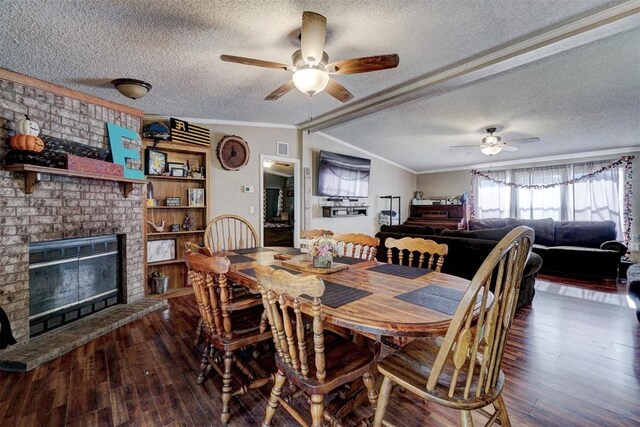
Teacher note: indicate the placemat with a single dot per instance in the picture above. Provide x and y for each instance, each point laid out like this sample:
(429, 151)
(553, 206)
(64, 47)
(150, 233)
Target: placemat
(289, 251)
(235, 259)
(348, 260)
(434, 297)
(400, 270)
(252, 272)
(251, 250)
(336, 295)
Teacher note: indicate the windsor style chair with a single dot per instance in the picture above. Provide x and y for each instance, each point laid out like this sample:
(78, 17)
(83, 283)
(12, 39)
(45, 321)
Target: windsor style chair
(316, 362)
(462, 369)
(357, 245)
(432, 254)
(229, 232)
(227, 326)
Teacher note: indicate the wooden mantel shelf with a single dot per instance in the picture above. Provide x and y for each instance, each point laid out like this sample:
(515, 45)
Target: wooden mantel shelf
(32, 176)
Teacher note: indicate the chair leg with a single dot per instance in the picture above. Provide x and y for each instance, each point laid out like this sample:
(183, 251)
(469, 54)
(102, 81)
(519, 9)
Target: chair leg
(372, 394)
(198, 338)
(383, 401)
(499, 405)
(204, 363)
(465, 419)
(317, 410)
(272, 404)
(226, 387)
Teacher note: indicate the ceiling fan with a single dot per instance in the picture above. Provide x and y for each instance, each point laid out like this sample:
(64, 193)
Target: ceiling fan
(492, 144)
(311, 67)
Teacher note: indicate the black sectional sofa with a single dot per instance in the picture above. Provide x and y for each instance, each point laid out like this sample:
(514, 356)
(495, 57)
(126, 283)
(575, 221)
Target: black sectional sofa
(581, 249)
(466, 254)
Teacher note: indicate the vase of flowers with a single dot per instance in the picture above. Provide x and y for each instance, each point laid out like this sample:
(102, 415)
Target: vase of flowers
(323, 249)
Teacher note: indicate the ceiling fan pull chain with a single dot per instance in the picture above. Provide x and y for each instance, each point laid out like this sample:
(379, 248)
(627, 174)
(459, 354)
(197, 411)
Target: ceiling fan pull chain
(310, 114)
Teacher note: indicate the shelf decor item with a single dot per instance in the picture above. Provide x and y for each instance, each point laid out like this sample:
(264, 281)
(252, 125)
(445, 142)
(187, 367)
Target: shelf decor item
(323, 249)
(161, 250)
(155, 161)
(172, 201)
(174, 227)
(196, 196)
(183, 131)
(159, 282)
(178, 172)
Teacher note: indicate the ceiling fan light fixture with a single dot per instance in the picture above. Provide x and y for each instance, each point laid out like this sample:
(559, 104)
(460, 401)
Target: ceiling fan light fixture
(310, 80)
(491, 140)
(131, 88)
(491, 150)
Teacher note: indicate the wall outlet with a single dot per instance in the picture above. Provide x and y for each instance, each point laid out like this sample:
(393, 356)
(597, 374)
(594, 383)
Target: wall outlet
(247, 188)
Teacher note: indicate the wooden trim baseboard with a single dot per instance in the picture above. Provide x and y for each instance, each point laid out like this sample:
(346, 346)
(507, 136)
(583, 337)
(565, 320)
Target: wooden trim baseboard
(63, 91)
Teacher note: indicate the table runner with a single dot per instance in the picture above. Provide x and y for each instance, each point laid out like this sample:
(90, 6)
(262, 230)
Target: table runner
(400, 270)
(434, 297)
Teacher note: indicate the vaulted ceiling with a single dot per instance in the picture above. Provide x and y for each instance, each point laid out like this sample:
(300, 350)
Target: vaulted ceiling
(580, 94)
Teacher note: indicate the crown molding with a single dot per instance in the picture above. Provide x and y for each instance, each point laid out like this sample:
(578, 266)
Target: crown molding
(156, 117)
(531, 161)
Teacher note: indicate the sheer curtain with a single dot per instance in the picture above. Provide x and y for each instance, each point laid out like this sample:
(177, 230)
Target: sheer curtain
(598, 198)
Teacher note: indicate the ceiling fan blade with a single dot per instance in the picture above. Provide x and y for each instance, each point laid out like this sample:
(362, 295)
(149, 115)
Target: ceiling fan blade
(463, 146)
(254, 62)
(280, 91)
(509, 148)
(473, 151)
(524, 140)
(364, 65)
(338, 91)
(314, 27)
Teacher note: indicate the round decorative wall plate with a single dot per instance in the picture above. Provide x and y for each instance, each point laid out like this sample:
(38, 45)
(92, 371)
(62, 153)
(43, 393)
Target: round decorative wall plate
(233, 152)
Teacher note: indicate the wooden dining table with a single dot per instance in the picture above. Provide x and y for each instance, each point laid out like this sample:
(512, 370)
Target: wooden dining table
(377, 303)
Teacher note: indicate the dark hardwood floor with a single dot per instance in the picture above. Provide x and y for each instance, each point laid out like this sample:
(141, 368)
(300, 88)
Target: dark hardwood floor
(570, 361)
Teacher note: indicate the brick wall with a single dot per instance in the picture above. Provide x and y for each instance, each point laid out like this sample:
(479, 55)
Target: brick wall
(62, 207)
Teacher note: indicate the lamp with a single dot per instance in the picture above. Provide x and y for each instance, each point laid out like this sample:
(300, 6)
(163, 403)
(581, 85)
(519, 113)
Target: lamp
(310, 80)
(131, 88)
(491, 150)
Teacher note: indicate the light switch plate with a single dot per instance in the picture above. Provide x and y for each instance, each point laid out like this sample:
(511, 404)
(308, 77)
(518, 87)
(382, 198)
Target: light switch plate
(247, 188)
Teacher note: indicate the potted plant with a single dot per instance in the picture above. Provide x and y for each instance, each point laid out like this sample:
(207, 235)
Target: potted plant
(159, 282)
(323, 249)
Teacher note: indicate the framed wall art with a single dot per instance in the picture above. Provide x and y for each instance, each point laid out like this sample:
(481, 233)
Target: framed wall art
(196, 196)
(178, 172)
(161, 250)
(155, 162)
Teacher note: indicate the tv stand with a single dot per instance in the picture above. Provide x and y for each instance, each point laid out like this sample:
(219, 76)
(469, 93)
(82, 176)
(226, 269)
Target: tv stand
(341, 199)
(338, 211)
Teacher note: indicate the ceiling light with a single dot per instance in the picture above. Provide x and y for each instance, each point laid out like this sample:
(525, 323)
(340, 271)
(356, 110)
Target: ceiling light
(491, 150)
(131, 88)
(310, 80)
(268, 163)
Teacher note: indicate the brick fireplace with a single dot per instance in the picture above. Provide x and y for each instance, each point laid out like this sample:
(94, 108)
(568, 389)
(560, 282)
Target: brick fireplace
(62, 207)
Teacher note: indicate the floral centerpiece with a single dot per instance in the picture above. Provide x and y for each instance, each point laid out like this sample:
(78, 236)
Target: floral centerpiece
(323, 249)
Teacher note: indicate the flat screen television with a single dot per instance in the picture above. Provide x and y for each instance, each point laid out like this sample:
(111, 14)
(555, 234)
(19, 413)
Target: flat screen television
(342, 176)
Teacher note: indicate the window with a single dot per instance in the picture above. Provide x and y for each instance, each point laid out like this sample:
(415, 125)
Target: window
(598, 198)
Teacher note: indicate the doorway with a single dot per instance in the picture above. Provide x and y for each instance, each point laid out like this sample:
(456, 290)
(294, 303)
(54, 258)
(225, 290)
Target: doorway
(280, 201)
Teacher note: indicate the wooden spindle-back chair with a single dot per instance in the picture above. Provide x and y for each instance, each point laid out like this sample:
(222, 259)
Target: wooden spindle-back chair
(229, 232)
(357, 245)
(416, 244)
(228, 326)
(316, 361)
(462, 369)
(310, 234)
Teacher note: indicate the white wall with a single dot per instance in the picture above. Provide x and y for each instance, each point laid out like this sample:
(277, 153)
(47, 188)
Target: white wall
(386, 179)
(226, 186)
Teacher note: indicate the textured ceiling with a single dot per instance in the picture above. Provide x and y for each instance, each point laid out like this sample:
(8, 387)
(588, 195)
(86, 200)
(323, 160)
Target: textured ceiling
(176, 47)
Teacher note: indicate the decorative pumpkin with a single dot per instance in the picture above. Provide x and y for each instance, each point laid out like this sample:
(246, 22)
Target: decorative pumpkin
(27, 127)
(27, 143)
